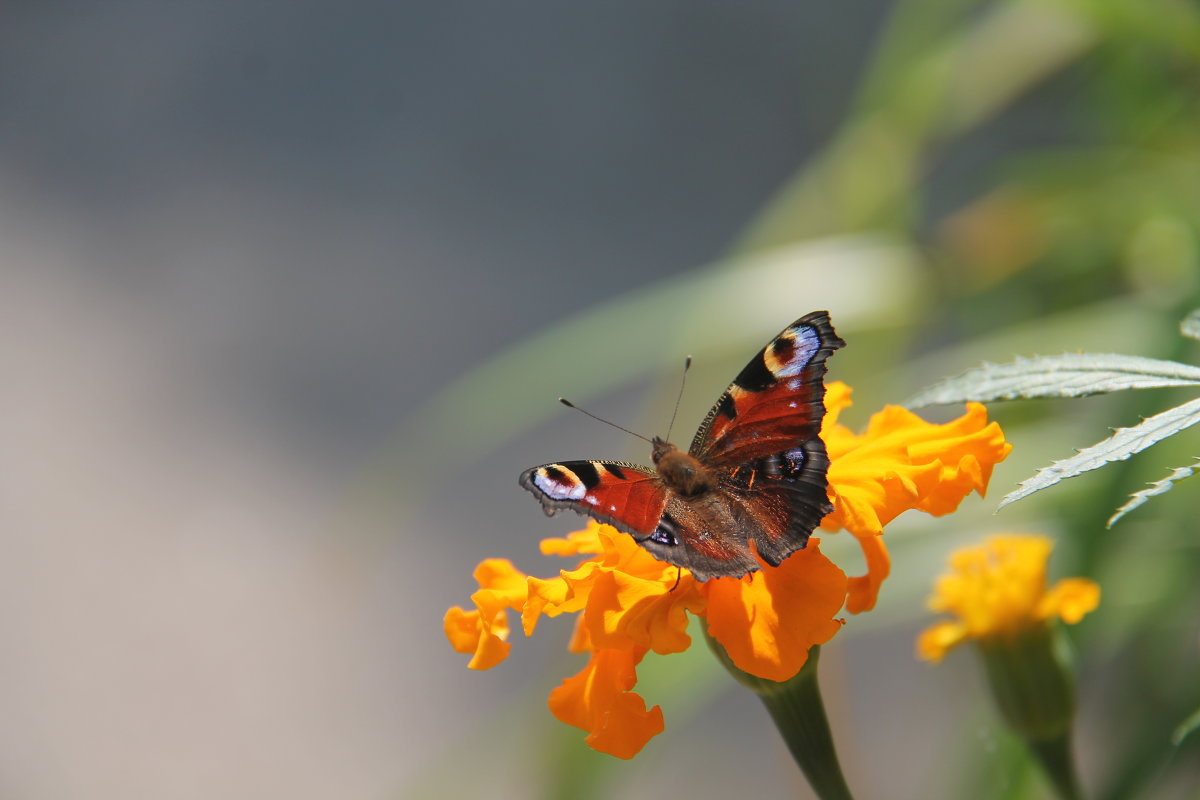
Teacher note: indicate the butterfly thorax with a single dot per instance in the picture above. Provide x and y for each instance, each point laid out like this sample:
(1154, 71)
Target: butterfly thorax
(681, 472)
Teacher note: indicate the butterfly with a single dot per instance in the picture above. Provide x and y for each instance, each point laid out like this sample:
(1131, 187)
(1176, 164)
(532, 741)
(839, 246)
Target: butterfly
(753, 479)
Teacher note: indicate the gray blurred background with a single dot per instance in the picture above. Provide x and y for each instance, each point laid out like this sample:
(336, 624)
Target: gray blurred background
(242, 244)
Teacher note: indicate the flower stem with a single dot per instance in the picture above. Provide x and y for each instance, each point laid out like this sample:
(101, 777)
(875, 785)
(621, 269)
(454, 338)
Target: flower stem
(1054, 754)
(799, 713)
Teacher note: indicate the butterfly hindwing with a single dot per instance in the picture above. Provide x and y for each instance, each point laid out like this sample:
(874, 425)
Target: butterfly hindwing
(787, 493)
(762, 438)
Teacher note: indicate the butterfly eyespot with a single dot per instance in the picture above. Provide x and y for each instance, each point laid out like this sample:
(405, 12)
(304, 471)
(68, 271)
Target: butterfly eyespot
(662, 537)
(666, 533)
(790, 354)
(559, 483)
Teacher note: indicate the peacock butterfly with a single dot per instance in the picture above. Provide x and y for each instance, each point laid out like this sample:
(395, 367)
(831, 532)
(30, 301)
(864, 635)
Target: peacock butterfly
(755, 471)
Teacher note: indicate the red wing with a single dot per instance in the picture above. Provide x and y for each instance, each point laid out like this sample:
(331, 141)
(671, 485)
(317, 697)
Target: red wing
(626, 496)
(776, 403)
(633, 499)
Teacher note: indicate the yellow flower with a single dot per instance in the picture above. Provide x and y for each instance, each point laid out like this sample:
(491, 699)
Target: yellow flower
(998, 590)
(629, 603)
(998, 593)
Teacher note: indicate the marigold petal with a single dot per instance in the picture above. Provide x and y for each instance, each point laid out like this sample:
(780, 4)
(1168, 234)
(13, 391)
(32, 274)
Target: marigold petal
(627, 726)
(462, 629)
(904, 462)
(936, 640)
(581, 641)
(768, 620)
(549, 596)
(584, 542)
(483, 632)
(1070, 599)
(566, 594)
(599, 700)
(468, 634)
(625, 611)
(499, 574)
(838, 397)
(863, 590)
(501, 586)
(998, 589)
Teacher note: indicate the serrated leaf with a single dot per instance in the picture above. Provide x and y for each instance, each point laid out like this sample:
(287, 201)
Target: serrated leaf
(1190, 327)
(1118, 447)
(1067, 375)
(1155, 489)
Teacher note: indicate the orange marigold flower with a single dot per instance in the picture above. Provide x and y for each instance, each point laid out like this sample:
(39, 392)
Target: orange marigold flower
(900, 462)
(629, 603)
(998, 590)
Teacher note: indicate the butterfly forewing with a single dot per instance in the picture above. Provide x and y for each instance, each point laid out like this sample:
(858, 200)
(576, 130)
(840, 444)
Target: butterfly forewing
(776, 402)
(629, 497)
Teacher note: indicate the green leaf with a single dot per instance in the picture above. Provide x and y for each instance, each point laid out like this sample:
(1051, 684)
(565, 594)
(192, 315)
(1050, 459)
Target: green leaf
(1190, 327)
(1118, 447)
(1068, 375)
(1186, 728)
(1156, 488)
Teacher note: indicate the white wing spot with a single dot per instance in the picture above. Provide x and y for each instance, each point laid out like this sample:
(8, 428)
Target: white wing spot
(574, 490)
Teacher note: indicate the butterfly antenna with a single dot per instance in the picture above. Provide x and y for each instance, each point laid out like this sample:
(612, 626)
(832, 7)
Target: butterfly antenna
(569, 404)
(687, 364)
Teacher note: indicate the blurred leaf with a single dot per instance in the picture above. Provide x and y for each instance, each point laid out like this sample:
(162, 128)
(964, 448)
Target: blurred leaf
(1186, 728)
(925, 89)
(1118, 447)
(1190, 327)
(1156, 488)
(1068, 375)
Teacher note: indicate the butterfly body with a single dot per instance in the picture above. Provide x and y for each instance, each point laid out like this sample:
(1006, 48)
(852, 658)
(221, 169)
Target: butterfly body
(681, 472)
(752, 482)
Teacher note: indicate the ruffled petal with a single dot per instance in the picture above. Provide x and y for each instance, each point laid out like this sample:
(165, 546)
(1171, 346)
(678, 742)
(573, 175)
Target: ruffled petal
(624, 610)
(1070, 599)
(584, 542)
(904, 462)
(485, 644)
(997, 590)
(901, 462)
(864, 589)
(936, 640)
(768, 620)
(600, 701)
(483, 631)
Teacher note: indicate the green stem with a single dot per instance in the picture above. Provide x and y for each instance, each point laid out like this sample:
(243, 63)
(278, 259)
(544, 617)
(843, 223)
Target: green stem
(1055, 757)
(799, 713)
(1034, 689)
